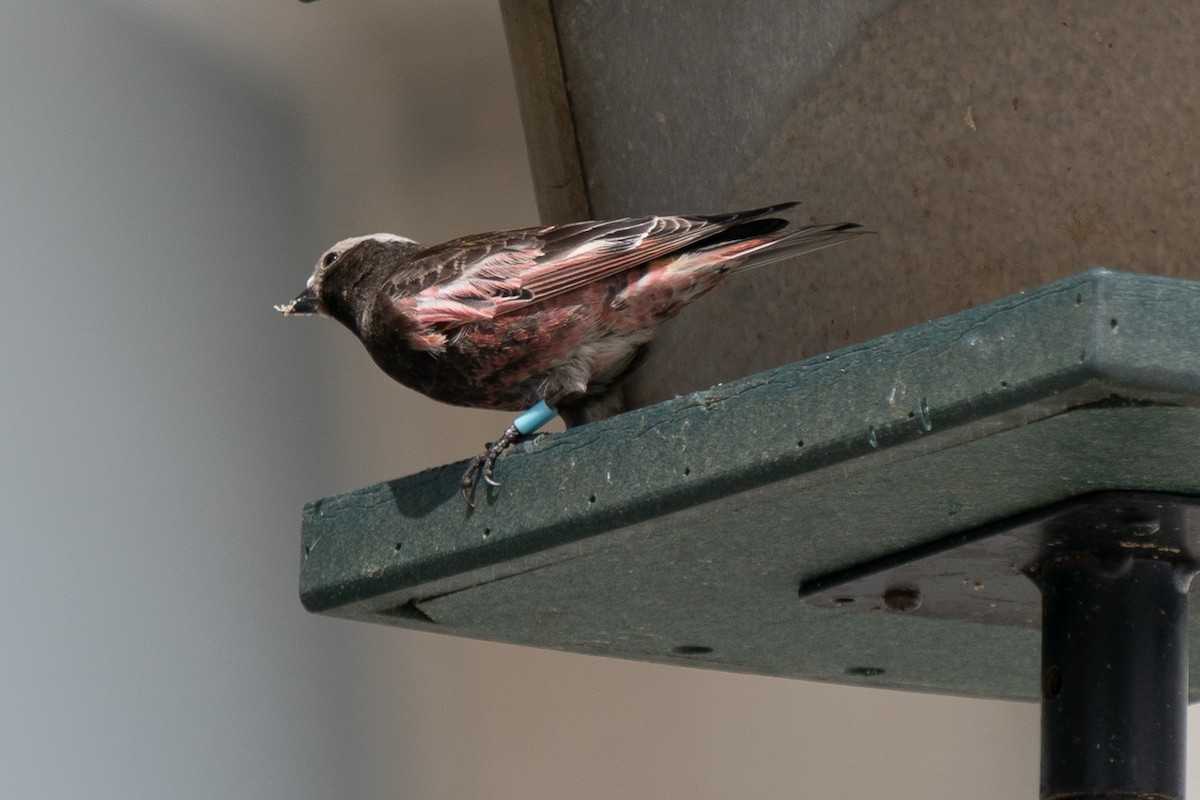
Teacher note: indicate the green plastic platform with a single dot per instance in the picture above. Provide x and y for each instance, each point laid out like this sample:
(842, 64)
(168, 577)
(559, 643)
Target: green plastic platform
(681, 532)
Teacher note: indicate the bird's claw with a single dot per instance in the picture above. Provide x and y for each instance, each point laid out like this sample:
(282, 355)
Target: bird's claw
(467, 483)
(484, 464)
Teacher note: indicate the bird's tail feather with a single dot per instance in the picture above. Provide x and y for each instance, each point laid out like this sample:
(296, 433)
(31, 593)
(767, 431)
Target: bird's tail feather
(763, 250)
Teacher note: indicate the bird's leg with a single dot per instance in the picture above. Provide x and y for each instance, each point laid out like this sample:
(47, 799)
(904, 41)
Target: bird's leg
(485, 462)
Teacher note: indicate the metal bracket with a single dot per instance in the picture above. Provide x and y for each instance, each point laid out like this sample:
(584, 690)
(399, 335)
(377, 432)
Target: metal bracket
(1113, 571)
(984, 574)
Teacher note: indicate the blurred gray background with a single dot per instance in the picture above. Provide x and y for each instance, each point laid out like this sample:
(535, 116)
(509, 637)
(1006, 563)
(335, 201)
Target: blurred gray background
(169, 170)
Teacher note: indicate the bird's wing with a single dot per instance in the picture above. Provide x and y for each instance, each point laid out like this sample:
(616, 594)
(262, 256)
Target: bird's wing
(484, 276)
(571, 256)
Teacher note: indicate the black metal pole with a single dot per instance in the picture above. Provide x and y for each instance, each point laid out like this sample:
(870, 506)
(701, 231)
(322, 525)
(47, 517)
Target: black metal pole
(1114, 675)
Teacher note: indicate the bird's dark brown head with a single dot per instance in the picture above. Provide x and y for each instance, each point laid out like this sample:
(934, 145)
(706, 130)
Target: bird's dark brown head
(347, 277)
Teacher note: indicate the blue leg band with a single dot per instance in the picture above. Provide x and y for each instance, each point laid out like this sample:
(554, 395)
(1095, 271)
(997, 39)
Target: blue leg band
(534, 418)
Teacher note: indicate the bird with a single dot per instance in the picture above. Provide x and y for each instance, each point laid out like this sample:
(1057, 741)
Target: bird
(543, 320)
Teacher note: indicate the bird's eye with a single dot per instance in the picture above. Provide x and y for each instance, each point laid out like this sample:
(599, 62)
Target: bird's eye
(329, 259)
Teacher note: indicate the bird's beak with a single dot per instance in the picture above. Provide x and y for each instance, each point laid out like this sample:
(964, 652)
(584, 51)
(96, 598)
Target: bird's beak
(304, 303)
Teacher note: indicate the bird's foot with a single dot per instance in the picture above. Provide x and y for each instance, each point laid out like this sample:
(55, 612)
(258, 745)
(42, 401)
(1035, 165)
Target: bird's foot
(484, 464)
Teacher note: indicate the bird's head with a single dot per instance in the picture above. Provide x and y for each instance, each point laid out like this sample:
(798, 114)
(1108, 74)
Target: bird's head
(339, 274)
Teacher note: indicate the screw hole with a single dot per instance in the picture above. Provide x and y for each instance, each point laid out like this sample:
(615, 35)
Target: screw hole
(691, 650)
(902, 598)
(1052, 683)
(591, 499)
(487, 532)
(865, 672)
(398, 546)
(687, 471)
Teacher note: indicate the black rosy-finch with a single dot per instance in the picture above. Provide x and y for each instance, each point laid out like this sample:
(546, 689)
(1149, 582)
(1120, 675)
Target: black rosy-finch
(544, 320)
